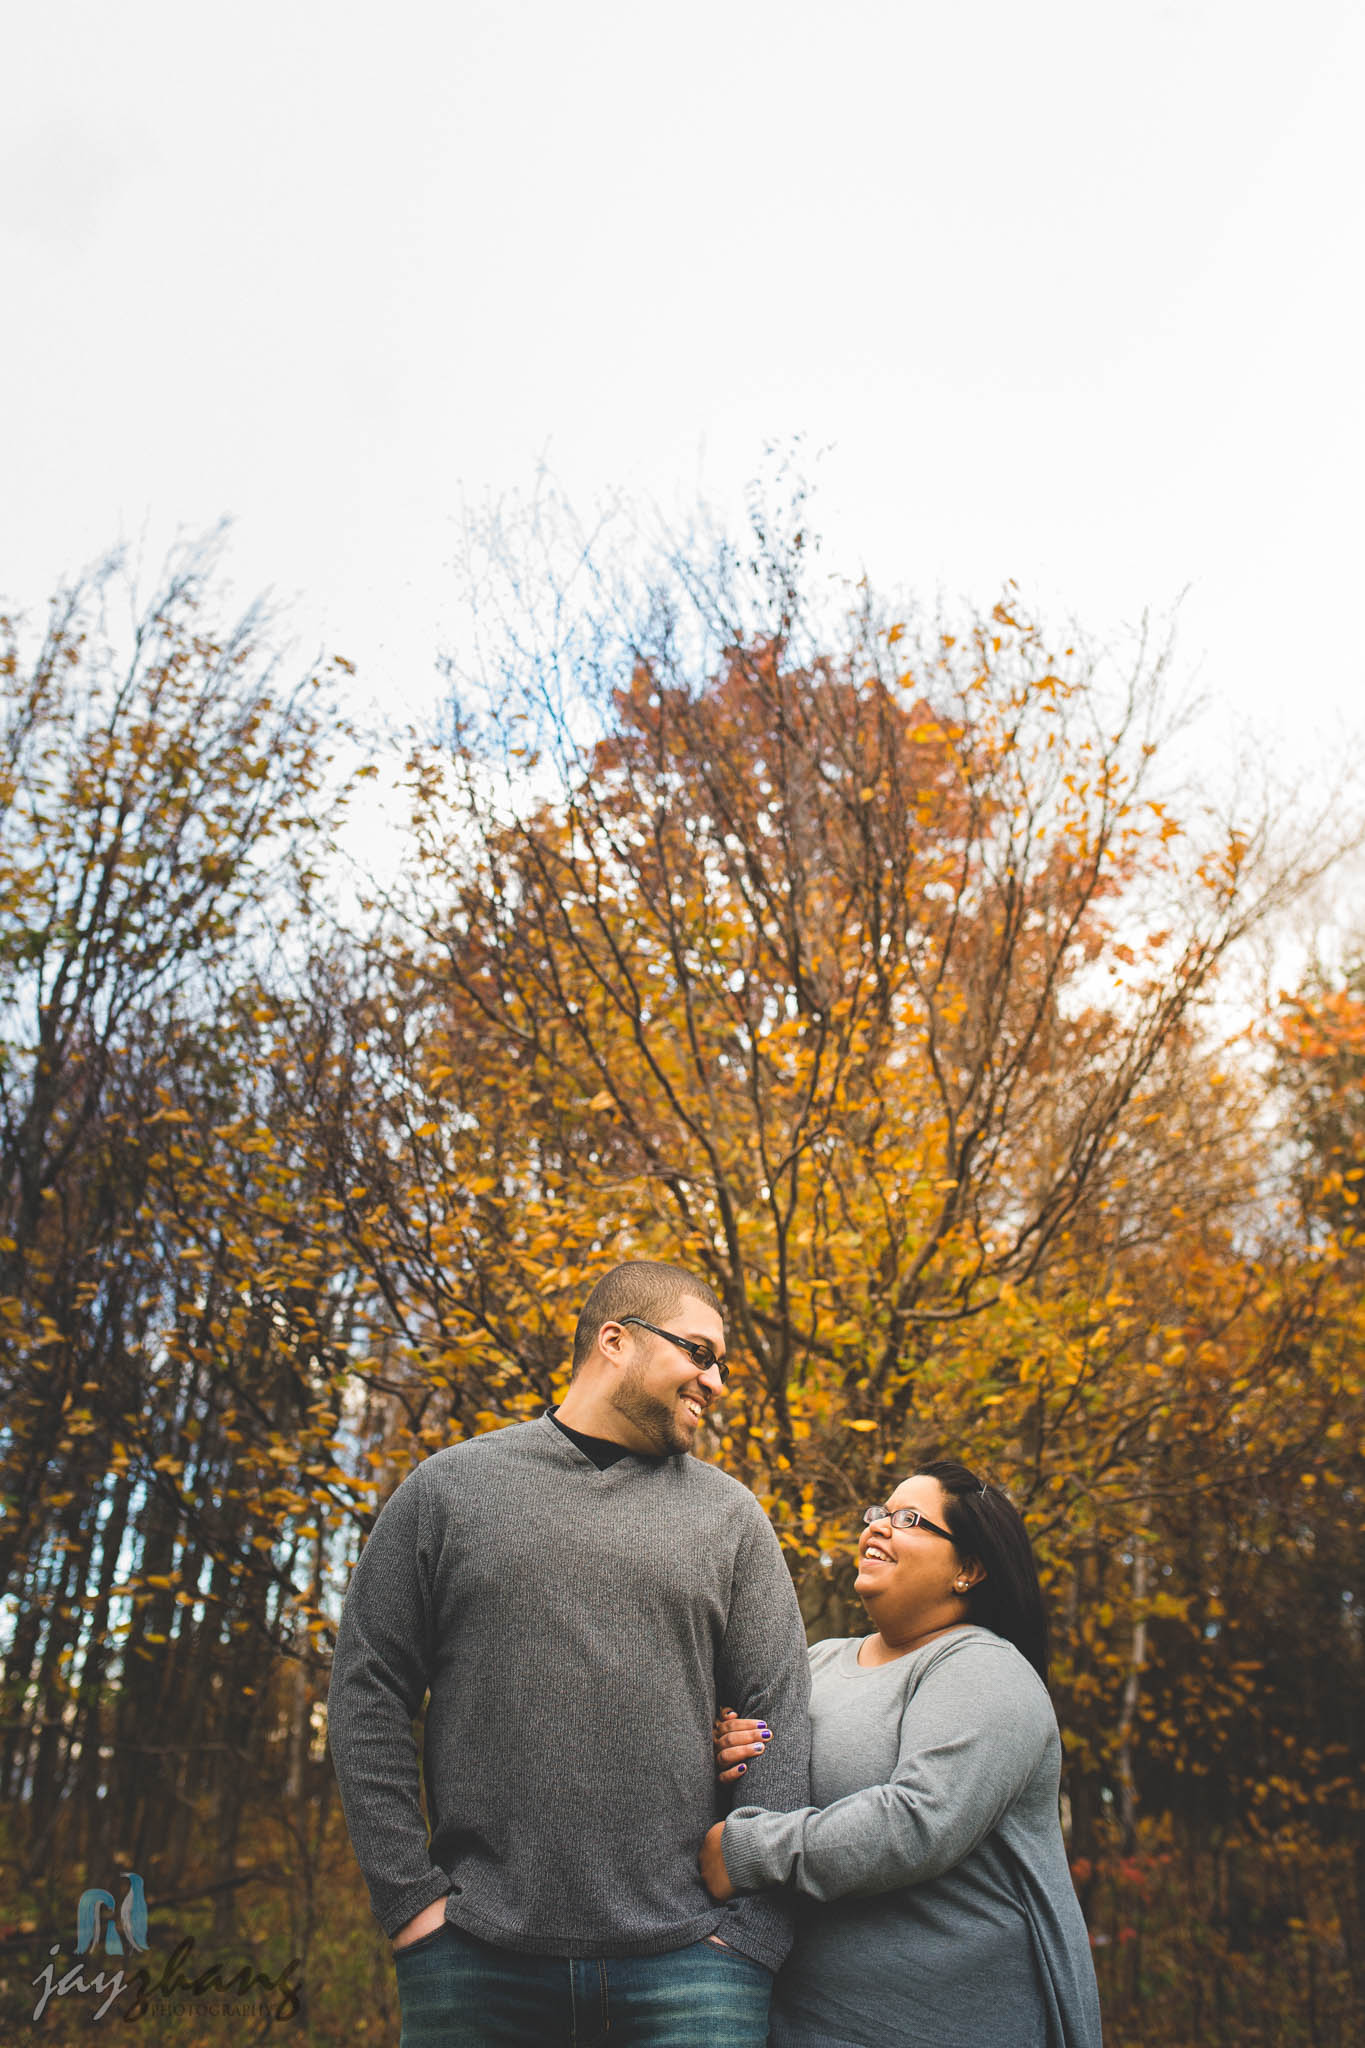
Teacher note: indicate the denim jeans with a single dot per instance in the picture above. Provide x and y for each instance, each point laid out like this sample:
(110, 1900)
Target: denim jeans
(458, 1992)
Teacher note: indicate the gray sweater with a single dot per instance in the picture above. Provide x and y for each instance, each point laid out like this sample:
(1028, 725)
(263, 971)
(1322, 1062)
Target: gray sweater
(947, 1916)
(575, 1629)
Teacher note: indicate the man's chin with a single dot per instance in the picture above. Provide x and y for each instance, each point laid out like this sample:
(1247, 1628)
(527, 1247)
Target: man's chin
(680, 1432)
(688, 1426)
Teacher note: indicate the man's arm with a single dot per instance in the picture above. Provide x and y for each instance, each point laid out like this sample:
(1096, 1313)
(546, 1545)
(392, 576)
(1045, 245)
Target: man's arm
(379, 1679)
(764, 1673)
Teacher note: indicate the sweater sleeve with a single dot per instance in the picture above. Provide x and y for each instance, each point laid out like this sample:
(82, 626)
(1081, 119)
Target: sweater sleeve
(379, 1678)
(764, 1673)
(974, 1730)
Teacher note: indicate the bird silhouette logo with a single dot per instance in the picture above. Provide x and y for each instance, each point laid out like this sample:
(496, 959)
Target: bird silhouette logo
(125, 1922)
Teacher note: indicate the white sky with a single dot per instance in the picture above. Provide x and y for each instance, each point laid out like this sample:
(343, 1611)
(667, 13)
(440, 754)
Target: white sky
(1069, 292)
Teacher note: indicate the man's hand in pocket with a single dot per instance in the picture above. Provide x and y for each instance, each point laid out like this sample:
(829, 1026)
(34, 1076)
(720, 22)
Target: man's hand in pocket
(425, 1922)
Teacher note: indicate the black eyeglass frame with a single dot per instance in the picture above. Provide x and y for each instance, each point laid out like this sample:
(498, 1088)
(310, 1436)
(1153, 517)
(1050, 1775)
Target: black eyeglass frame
(906, 1518)
(697, 1349)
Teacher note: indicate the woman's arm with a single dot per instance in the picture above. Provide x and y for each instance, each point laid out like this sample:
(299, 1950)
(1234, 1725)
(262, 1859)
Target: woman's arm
(714, 1875)
(974, 1731)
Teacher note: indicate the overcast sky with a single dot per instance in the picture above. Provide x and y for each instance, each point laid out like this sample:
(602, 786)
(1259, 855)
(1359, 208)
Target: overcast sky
(1068, 292)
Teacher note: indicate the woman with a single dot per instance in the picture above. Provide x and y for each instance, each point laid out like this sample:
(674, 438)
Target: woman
(935, 1905)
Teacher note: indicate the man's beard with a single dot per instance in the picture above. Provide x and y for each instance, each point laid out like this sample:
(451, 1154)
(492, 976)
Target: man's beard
(656, 1419)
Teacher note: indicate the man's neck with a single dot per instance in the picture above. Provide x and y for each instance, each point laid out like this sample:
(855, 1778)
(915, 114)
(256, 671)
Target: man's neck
(591, 1414)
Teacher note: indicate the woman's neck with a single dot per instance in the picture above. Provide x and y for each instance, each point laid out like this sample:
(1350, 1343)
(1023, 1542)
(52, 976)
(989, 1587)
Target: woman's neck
(887, 1644)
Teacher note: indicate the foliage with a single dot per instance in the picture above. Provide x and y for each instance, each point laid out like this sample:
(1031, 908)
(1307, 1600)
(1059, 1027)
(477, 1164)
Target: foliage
(868, 968)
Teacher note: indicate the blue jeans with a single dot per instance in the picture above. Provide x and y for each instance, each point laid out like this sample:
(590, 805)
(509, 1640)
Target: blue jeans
(458, 1992)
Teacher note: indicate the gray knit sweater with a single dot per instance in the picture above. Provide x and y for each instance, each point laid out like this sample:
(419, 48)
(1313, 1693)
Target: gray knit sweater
(937, 1909)
(576, 1630)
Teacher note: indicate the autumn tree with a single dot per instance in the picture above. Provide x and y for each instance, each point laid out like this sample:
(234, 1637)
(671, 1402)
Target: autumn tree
(865, 962)
(161, 1334)
(862, 979)
(869, 970)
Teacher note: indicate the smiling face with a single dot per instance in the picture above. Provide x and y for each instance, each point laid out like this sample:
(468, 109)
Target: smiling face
(911, 1579)
(660, 1391)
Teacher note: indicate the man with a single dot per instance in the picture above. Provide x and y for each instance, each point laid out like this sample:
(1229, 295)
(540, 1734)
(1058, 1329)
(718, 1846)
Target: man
(578, 1594)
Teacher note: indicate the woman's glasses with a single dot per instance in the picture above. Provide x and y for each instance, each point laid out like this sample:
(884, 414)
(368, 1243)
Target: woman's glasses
(905, 1518)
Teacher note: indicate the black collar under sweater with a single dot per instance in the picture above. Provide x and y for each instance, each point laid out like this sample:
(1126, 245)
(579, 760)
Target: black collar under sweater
(600, 1449)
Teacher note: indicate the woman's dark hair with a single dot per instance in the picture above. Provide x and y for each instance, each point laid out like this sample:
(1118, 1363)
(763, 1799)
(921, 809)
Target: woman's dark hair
(987, 1526)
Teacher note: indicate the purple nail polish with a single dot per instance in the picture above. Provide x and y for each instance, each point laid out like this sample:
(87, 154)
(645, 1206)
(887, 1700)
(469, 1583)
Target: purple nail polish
(743, 1768)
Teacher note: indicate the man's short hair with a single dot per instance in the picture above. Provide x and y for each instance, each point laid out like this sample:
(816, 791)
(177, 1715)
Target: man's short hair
(647, 1288)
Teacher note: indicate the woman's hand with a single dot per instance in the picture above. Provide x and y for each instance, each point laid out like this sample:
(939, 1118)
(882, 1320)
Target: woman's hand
(714, 1875)
(735, 1741)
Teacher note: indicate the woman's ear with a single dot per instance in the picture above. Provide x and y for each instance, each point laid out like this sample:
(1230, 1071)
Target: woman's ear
(970, 1572)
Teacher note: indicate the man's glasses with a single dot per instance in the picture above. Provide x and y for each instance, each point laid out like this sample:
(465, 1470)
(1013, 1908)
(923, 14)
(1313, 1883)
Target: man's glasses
(905, 1518)
(701, 1354)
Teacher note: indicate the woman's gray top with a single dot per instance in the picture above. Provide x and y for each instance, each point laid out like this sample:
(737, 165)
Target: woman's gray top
(937, 1908)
